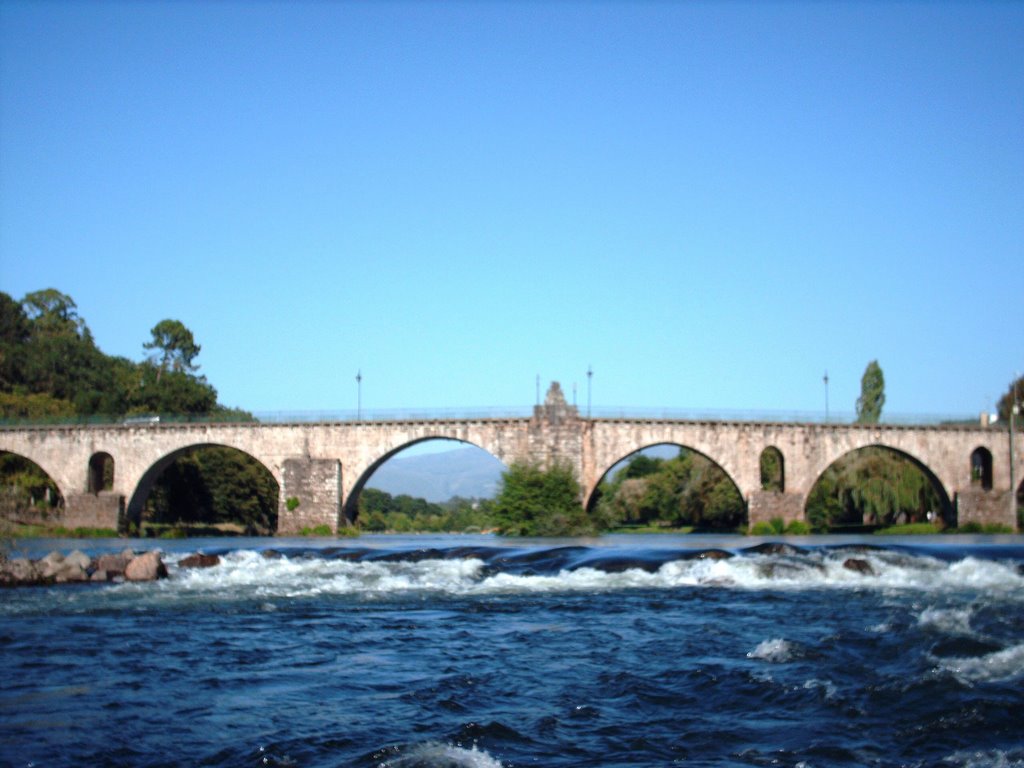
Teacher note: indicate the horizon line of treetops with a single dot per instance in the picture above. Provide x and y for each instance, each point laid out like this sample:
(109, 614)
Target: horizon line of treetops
(50, 367)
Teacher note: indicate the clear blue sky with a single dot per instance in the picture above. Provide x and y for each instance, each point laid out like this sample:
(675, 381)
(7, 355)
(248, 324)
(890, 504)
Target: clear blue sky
(710, 203)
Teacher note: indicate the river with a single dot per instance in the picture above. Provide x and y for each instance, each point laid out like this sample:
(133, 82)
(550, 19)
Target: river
(481, 651)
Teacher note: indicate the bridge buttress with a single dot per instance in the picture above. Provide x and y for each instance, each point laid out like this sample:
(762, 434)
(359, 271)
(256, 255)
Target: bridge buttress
(984, 507)
(310, 495)
(105, 509)
(765, 506)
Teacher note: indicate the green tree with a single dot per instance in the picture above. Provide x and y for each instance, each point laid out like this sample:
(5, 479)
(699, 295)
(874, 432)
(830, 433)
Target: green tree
(175, 347)
(373, 522)
(872, 394)
(685, 490)
(15, 331)
(1014, 393)
(176, 392)
(872, 486)
(641, 465)
(212, 485)
(53, 312)
(60, 357)
(34, 407)
(540, 502)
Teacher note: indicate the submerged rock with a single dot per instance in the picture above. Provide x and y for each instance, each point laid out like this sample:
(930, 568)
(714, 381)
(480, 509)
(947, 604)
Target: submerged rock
(789, 568)
(709, 554)
(857, 565)
(775, 548)
(199, 560)
(965, 647)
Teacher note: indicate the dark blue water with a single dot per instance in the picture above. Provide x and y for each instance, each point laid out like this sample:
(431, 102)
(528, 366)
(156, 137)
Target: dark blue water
(473, 651)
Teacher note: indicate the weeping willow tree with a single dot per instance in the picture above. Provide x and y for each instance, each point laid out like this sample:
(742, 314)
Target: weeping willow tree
(873, 486)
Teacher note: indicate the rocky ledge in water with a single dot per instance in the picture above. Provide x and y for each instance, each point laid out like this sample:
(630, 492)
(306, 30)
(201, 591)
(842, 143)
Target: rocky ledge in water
(78, 567)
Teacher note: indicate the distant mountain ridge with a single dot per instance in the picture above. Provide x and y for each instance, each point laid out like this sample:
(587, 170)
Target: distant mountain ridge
(467, 472)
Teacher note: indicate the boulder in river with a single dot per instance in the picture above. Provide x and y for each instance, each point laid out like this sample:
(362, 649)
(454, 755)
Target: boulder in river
(19, 570)
(712, 554)
(70, 571)
(146, 567)
(79, 558)
(114, 565)
(199, 560)
(857, 565)
(55, 568)
(775, 548)
(49, 566)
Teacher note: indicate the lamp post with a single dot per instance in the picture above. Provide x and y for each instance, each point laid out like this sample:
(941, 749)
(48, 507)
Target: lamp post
(359, 395)
(1014, 410)
(826, 395)
(590, 375)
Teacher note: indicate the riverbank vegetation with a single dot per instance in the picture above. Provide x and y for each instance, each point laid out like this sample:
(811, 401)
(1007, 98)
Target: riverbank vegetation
(538, 502)
(214, 486)
(380, 512)
(685, 491)
(875, 487)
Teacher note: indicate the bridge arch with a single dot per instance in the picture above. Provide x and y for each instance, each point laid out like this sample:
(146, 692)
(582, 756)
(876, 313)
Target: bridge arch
(773, 470)
(60, 483)
(981, 468)
(817, 496)
(149, 477)
(350, 508)
(42, 485)
(101, 472)
(615, 439)
(622, 463)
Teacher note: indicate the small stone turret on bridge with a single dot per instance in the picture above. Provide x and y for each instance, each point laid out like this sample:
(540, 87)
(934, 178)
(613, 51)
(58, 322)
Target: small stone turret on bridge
(324, 466)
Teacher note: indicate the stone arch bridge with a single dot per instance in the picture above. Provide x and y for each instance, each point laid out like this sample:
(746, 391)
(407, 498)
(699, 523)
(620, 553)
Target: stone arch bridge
(325, 465)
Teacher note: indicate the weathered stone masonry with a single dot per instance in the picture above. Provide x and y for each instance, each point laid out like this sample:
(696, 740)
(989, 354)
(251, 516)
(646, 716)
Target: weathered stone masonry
(324, 466)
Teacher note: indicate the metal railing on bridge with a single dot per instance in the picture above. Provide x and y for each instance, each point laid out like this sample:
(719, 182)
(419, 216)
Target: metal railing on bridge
(493, 413)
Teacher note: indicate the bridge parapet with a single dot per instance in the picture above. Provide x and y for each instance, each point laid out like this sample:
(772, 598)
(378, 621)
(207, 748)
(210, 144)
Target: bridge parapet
(306, 458)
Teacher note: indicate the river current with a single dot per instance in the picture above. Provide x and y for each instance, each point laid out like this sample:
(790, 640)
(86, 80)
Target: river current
(480, 651)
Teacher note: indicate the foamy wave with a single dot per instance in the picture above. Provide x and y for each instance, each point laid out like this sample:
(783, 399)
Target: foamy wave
(775, 650)
(368, 575)
(998, 666)
(826, 687)
(287, 577)
(435, 755)
(953, 621)
(989, 759)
